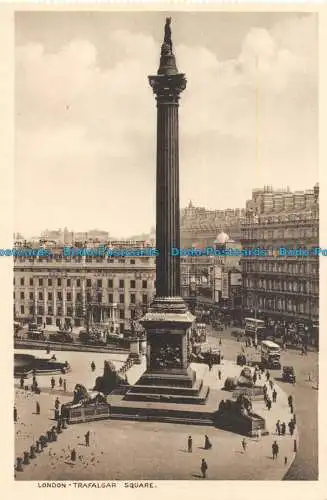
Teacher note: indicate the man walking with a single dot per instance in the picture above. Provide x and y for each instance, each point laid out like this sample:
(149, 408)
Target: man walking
(37, 408)
(189, 444)
(274, 396)
(275, 450)
(204, 468)
(87, 438)
(15, 414)
(244, 445)
(53, 383)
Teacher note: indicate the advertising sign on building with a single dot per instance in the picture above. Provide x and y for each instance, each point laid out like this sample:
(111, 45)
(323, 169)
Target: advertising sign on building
(236, 279)
(218, 279)
(225, 286)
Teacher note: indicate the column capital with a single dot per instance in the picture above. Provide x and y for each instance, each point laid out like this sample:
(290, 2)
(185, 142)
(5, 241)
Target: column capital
(168, 88)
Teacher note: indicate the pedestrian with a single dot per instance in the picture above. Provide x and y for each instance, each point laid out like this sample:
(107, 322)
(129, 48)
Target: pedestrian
(294, 419)
(274, 396)
(87, 438)
(291, 409)
(285, 460)
(65, 385)
(219, 374)
(189, 444)
(269, 404)
(53, 383)
(244, 445)
(57, 404)
(210, 365)
(283, 429)
(37, 408)
(258, 434)
(60, 382)
(275, 450)
(254, 378)
(73, 455)
(271, 383)
(290, 400)
(93, 366)
(15, 414)
(204, 468)
(278, 427)
(22, 382)
(207, 443)
(267, 376)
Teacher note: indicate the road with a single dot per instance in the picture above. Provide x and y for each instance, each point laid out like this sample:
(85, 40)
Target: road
(305, 396)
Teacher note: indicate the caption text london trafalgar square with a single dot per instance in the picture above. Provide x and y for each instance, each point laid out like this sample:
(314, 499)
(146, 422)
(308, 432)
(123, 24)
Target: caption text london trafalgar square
(174, 341)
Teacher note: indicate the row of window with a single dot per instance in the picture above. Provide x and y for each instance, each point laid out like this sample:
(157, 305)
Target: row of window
(284, 305)
(282, 286)
(278, 234)
(280, 267)
(99, 282)
(89, 297)
(76, 258)
(79, 310)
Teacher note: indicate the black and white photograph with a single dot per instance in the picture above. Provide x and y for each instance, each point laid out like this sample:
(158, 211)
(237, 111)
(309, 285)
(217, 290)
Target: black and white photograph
(166, 246)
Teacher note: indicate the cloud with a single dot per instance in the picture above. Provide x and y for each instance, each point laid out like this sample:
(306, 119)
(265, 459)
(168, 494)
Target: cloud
(88, 131)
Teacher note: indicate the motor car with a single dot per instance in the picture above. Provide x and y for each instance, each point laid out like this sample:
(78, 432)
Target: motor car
(288, 374)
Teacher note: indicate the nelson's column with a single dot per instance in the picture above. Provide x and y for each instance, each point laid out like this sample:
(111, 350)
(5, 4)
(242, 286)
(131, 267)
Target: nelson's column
(169, 377)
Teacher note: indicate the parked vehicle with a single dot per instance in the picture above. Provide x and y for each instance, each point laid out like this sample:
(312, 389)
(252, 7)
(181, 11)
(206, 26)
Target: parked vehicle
(35, 332)
(288, 374)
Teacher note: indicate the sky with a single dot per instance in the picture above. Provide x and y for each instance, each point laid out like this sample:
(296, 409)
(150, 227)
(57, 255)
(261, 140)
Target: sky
(85, 116)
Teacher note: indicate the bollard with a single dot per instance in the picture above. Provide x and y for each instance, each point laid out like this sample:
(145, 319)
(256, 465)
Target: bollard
(54, 435)
(26, 458)
(32, 452)
(73, 455)
(19, 466)
(295, 446)
(64, 424)
(38, 448)
(58, 430)
(49, 436)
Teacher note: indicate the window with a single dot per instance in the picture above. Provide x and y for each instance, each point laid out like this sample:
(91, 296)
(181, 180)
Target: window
(59, 295)
(40, 281)
(50, 310)
(49, 282)
(49, 295)
(69, 282)
(144, 284)
(121, 283)
(69, 296)
(110, 298)
(122, 314)
(121, 327)
(133, 284)
(79, 297)
(99, 297)
(99, 283)
(40, 296)
(59, 281)
(144, 299)
(88, 282)
(31, 282)
(132, 261)
(22, 309)
(132, 298)
(121, 298)
(121, 261)
(22, 295)
(78, 282)
(22, 281)
(31, 295)
(110, 283)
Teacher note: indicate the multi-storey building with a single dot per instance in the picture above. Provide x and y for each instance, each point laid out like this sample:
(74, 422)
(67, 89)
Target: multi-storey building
(276, 286)
(200, 226)
(58, 290)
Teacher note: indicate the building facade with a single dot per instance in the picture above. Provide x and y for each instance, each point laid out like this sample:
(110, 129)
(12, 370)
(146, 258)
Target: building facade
(59, 290)
(276, 286)
(200, 226)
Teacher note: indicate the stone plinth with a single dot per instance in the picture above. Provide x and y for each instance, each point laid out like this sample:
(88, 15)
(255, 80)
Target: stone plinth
(168, 376)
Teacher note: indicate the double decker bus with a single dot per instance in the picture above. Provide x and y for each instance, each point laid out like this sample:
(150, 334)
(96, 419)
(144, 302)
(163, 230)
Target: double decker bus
(255, 328)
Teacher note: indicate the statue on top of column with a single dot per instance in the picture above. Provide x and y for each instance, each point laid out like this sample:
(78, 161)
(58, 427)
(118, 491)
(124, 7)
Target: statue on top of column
(167, 46)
